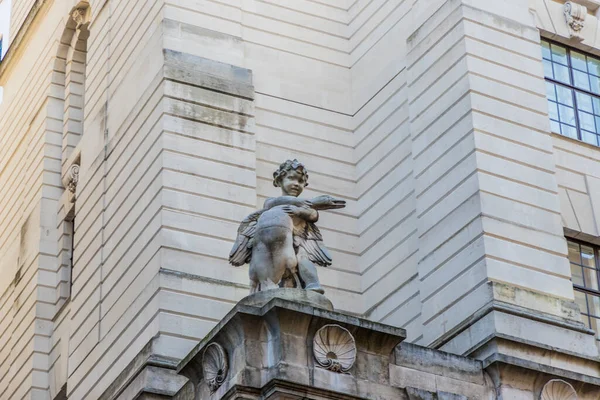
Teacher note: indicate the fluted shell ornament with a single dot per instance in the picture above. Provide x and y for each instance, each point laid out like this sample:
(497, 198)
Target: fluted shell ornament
(334, 348)
(557, 389)
(214, 366)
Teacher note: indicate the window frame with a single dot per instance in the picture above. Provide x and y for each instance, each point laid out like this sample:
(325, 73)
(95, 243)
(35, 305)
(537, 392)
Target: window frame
(573, 89)
(583, 289)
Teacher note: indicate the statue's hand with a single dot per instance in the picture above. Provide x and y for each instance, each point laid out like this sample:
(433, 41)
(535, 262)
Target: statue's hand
(292, 210)
(305, 212)
(298, 202)
(327, 202)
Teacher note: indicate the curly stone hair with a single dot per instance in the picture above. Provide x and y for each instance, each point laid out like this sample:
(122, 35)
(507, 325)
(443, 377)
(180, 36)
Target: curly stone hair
(287, 166)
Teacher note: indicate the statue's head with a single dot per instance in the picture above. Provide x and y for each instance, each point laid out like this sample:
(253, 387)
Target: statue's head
(291, 177)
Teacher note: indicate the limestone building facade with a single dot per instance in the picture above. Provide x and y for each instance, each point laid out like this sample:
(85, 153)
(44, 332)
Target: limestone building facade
(135, 135)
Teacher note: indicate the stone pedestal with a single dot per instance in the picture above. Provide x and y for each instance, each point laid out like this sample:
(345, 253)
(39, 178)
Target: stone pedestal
(285, 349)
(301, 296)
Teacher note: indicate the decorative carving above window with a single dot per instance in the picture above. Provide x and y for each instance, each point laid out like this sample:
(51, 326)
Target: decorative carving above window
(81, 13)
(575, 16)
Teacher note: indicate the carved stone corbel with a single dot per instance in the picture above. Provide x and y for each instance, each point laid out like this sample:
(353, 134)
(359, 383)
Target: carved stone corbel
(71, 179)
(575, 15)
(80, 14)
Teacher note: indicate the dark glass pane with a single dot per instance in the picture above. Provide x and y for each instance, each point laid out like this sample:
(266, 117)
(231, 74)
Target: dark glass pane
(595, 84)
(550, 91)
(589, 137)
(567, 115)
(554, 126)
(553, 110)
(564, 95)
(584, 102)
(580, 300)
(559, 54)
(574, 252)
(578, 61)
(548, 69)
(593, 305)
(576, 274)
(594, 66)
(561, 73)
(586, 121)
(581, 80)
(568, 131)
(546, 50)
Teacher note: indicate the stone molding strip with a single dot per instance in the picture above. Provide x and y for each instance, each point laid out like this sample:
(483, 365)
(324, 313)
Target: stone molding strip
(496, 359)
(507, 308)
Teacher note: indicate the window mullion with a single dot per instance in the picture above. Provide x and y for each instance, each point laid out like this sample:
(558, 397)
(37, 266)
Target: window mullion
(573, 95)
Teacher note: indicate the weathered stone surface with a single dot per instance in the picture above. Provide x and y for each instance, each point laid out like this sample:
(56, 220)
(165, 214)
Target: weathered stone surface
(419, 394)
(156, 381)
(308, 297)
(439, 363)
(271, 343)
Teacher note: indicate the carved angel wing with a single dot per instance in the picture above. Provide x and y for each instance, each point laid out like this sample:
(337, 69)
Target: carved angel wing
(242, 248)
(311, 241)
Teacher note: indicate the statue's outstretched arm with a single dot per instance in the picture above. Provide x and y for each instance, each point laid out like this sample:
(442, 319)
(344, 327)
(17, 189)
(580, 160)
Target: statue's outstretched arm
(286, 200)
(308, 214)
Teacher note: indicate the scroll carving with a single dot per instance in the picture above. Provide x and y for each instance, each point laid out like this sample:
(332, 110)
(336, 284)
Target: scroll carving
(73, 178)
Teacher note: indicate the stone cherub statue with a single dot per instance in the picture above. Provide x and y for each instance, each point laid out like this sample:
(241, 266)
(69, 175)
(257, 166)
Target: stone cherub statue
(281, 242)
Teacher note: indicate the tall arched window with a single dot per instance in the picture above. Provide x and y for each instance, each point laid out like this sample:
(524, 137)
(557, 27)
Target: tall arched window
(70, 77)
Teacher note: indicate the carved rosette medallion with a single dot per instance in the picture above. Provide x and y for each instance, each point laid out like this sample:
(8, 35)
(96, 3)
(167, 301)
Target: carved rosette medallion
(334, 348)
(214, 366)
(557, 389)
(575, 16)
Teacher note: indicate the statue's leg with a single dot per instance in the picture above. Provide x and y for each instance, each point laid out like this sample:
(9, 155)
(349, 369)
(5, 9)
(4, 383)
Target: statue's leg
(260, 267)
(272, 254)
(284, 258)
(308, 272)
(254, 286)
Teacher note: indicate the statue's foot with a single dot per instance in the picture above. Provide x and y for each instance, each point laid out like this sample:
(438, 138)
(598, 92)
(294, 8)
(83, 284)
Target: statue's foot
(315, 287)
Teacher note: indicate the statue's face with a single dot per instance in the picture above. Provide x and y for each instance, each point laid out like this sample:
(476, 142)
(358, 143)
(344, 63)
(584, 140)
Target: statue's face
(293, 183)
